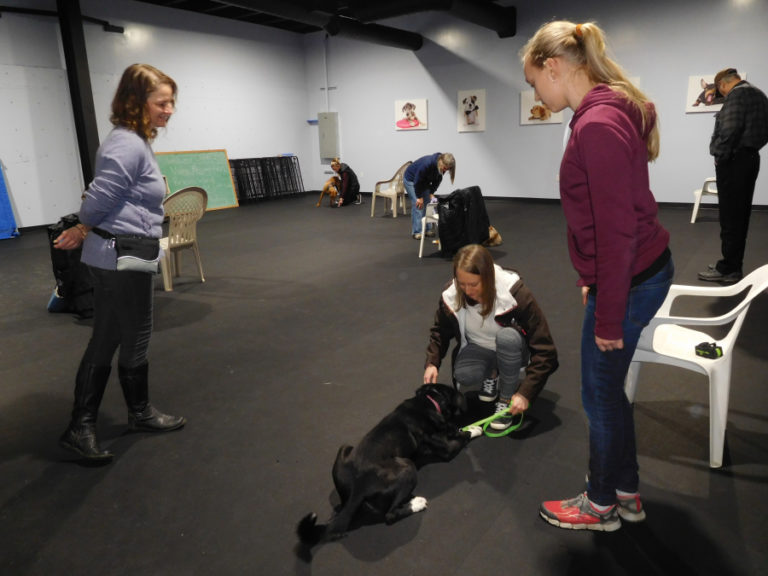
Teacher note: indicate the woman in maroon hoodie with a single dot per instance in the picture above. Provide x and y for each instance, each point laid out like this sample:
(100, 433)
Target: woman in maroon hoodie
(616, 245)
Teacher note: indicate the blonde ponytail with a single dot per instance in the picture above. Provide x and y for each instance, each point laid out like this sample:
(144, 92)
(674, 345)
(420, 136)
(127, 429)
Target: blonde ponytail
(583, 45)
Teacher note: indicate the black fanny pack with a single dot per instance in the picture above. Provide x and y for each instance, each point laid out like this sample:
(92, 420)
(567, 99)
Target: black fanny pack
(134, 253)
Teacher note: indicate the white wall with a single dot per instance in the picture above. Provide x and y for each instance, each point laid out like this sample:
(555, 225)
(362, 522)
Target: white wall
(241, 87)
(251, 89)
(657, 41)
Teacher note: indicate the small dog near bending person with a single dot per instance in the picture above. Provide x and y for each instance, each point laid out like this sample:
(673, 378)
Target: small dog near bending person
(331, 187)
(378, 476)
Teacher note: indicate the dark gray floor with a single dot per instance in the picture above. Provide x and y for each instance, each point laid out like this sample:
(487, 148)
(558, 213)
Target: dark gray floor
(311, 325)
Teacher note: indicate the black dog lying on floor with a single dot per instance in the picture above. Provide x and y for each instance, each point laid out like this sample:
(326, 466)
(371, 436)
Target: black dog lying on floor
(379, 475)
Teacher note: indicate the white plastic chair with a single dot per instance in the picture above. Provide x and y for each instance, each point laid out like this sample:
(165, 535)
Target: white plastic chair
(392, 190)
(709, 188)
(666, 341)
(183, 209)
(430, 216)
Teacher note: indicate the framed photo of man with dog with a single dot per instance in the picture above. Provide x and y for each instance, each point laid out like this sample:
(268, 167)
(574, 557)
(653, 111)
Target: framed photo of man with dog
(470, 108)
(411, 114)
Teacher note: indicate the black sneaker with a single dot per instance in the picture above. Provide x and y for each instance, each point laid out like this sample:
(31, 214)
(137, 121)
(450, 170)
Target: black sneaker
(502, 422)
(489, 390)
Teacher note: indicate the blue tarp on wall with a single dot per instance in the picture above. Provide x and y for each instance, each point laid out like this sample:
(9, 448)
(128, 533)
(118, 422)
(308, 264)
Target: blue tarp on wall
(7, 221)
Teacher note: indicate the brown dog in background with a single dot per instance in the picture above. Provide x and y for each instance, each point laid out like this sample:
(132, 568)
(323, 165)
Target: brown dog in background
(331, 187)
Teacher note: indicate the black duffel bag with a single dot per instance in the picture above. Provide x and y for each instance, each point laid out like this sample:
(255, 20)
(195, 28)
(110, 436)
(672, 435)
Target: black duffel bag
(463, 220)
(74, 288)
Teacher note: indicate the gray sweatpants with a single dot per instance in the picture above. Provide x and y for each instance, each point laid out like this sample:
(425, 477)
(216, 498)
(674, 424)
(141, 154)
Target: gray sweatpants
(475, 363)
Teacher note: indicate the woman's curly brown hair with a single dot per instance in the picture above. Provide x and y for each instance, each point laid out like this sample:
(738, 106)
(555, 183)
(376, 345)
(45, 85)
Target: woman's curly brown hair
(129, 106)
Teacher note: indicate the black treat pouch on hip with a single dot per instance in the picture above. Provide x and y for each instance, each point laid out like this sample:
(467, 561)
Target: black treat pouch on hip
(137, 253)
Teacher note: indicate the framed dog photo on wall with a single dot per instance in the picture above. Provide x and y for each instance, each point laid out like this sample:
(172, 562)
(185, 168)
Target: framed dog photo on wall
(411, 114)
(471, 111)
(534, 112)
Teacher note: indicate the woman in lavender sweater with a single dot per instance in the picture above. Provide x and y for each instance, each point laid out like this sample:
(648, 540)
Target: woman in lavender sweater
(125, 197)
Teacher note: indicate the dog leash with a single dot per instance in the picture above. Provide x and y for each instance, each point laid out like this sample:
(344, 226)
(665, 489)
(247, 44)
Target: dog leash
(486, 421)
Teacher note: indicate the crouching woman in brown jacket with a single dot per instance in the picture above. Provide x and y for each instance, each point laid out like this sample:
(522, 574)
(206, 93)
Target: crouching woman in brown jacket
(499, 329)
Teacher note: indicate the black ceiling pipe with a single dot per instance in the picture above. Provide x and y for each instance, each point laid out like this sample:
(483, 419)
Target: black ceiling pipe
(500, 19)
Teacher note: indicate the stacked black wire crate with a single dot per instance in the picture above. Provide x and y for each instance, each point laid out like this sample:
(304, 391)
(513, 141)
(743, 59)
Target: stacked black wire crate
(266, 178)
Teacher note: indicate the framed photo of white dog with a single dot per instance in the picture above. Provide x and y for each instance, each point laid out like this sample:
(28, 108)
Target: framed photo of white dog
(471, 111)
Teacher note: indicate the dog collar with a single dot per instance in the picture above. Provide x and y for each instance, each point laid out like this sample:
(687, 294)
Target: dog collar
(436, 405)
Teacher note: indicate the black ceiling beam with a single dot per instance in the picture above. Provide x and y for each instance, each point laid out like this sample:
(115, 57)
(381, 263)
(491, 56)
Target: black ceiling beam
(282, 9)
(76, 58)
(500, 19)
(334, 25)
(384, 35)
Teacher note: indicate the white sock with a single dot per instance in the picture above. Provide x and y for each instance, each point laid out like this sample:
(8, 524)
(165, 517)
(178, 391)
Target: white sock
(599, 507)
(622, 494)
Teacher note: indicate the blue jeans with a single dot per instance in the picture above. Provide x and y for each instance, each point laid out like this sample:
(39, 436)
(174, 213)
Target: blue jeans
(416, 213)
(612, 447)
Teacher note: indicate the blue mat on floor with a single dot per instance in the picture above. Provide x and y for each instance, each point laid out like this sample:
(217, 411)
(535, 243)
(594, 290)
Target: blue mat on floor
(7, 221)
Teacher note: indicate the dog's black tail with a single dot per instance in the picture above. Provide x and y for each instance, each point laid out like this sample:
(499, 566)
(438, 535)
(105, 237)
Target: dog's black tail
(310, 532)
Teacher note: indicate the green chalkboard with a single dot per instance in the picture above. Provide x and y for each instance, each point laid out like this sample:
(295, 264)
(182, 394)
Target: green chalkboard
(208, 169)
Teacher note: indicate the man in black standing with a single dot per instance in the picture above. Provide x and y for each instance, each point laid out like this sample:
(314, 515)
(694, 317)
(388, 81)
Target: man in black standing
(741, 129)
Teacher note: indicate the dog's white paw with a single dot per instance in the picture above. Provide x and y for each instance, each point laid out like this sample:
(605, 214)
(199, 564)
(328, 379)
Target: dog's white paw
(418, 503)
(475, 431)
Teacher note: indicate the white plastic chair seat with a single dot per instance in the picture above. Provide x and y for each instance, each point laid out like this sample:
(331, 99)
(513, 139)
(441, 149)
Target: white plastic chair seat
(680, 343)
(183, 209)
(668, 340)
(430, 216)
(392, 190)
(709, 188)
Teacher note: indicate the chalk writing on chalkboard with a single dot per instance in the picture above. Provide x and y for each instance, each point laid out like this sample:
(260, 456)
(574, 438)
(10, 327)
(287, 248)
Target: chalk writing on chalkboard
(208, 169)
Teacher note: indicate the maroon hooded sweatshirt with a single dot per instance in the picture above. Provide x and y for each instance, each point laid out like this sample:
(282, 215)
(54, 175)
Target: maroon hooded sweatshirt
(613, 229)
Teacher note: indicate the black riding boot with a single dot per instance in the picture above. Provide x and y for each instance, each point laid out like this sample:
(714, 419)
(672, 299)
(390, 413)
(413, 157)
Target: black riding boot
(142, 416)
(80, 436)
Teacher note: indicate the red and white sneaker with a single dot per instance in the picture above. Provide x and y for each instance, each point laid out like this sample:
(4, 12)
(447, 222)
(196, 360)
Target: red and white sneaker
(579, 514)
(630, 508)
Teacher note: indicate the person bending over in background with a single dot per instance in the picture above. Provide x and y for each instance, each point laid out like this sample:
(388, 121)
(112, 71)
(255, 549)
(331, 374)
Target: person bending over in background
(125, 197)
(421, 179)
(499, 329)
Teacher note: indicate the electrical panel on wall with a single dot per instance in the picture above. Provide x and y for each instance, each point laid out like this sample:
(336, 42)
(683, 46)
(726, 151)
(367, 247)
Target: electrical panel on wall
(328, 134)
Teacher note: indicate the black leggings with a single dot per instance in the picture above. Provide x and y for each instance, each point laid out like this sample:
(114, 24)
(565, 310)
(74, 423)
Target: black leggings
(122, 317)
